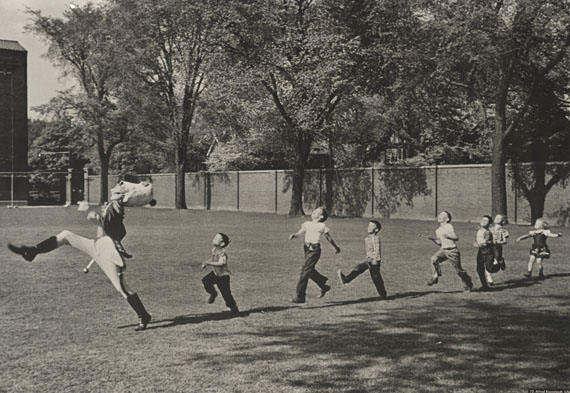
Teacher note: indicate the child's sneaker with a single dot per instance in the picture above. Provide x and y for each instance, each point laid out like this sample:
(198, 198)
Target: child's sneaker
(324, 290)
(528, 274)
(212, 298)
(431, 282)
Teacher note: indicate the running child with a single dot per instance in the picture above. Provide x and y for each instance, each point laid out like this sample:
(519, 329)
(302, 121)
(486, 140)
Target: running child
(539, 249)
(372, 262)
(485, 254)
(220, 274)
(445, 237)
(500, 236)
(313, 231)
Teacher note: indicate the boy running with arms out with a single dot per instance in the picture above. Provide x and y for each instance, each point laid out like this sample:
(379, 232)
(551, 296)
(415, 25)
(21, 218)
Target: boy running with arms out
(313, 230)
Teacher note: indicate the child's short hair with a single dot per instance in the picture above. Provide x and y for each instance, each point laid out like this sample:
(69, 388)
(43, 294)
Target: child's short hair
(539, 224)
(488, 217)
(448, 215)
(377, 223)
(500, 219)
(225, 239)
(325, 214)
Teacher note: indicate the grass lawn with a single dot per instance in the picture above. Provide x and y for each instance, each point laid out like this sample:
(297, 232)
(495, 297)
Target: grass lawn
(66, 331)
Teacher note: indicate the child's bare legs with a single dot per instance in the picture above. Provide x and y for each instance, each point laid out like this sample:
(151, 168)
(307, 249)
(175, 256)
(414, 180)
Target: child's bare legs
(531, 261)
(539, 266)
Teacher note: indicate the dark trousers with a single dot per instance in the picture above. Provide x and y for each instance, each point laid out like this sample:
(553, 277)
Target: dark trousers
(483, 256)
(309, 271)
(223, 283)
(374, 274)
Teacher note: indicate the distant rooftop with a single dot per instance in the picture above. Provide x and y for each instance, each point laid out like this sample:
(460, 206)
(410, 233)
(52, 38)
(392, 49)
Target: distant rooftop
(11, 45)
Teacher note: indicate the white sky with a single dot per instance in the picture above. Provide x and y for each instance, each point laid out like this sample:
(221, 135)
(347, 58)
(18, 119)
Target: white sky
(43, 79)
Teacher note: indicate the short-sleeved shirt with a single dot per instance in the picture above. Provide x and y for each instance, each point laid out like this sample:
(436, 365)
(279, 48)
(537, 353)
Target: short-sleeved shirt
(448, 230)
(219, 255)
(500, 234)
(313, 231)
(484, 237)
(373, 244)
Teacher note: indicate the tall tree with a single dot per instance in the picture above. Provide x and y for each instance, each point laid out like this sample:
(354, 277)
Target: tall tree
(80, 44)
(483, 47)
(539, 149)
(301, 59)
(170, 46)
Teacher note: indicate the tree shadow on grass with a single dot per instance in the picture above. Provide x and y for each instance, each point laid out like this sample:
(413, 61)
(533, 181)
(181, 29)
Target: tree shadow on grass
(454, 344)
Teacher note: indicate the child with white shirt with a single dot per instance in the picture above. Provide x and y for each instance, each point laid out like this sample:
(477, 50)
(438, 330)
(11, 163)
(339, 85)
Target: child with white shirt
(372, 262)
(313, 230)
(446, 238)
(500, 236)
(486, 253)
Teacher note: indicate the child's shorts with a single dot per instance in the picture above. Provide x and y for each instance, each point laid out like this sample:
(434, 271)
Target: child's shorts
(540, 252)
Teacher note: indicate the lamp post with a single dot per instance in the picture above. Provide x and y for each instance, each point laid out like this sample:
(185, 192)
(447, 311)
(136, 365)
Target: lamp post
(5, 72)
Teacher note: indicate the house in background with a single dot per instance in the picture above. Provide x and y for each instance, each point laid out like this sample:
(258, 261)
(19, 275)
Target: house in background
(13, 122)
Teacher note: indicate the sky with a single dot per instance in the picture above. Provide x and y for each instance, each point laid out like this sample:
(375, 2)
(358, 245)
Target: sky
(44, 80)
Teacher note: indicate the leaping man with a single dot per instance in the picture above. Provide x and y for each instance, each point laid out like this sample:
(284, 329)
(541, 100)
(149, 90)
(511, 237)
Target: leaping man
(104, 250)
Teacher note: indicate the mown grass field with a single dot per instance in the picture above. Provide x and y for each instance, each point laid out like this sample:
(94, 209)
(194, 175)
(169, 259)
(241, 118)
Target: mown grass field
(66, 331)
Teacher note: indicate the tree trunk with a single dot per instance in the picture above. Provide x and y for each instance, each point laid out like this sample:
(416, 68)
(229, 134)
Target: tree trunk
(297, 189)
(498, 174)
(498, 171)
(536, 202)
(329, 177)
(104, 194)
(180, 189)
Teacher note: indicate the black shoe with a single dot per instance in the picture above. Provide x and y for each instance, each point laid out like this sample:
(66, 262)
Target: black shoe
(503, 266)
(143, 322)
(234, 309)
(125, 254)
(541, 276)
(29, 253)
(341, 277)
(484, 288)
(298, 301)
(431, 282)
(324, 290)
(527, 275)
(491, 284)
(212, 298)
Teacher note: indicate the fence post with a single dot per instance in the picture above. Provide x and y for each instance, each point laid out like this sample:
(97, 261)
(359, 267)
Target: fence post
(275, 191)
(68, 187)
(435, 191)
(86, 184)
(238, 190)
(372, 193)
(11, 189)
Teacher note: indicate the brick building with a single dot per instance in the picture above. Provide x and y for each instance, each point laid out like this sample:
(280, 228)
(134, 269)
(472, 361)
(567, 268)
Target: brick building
(13, 120)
